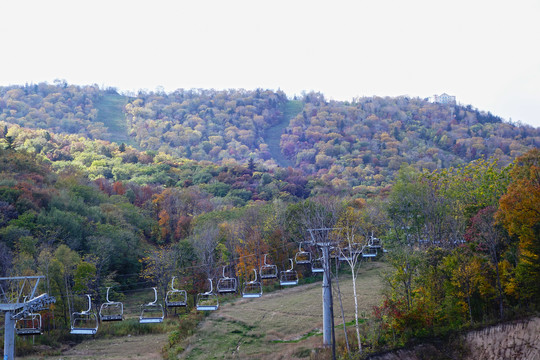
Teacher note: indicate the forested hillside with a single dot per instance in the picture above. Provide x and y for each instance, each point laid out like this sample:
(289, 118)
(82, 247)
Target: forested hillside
(359, 144)
(58, 108)
(462, 242)
(366, 141)
(195, 189)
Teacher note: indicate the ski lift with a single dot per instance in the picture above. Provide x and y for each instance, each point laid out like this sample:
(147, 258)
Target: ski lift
(288, 277)
(252, 289)
(302, 257)
(226, 284)
(207, 301)
(111, 310)
(374, 242)
(152, 312)
(357, 248)
(345, 254)
(268, 271)
(369, 252)
(85, 322)
(29, 325)
(317, 265)
(348, 253)
(175, 297)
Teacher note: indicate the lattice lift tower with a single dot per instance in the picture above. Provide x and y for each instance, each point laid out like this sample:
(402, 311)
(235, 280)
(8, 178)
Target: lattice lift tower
(321, 238)
(16, 303)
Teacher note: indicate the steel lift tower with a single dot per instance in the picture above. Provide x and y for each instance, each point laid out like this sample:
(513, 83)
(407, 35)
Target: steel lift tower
(17, 300)
(321, 238)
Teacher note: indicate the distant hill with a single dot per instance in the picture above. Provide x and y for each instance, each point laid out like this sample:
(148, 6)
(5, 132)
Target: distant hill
(359, 144)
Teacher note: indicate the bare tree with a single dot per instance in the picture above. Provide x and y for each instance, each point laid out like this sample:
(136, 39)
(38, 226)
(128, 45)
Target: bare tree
(350, 250)
(491, 239)
(205, 242)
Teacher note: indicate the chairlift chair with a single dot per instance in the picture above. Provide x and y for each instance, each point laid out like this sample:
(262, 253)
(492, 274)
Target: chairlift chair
(369, 252)
(348, 253)
(317, 265)
(302, 257)
(152, 312)
(226, 284)
(268, 271)
(356, 248)
(288, 277)
(374, 242)
(252, 289)
(345, 254)
(29, 325)
(85, 322)
(111, 310)
(175, 297)
(207, 301)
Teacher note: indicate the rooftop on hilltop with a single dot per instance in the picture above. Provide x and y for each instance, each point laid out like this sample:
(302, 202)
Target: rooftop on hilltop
(444, 98)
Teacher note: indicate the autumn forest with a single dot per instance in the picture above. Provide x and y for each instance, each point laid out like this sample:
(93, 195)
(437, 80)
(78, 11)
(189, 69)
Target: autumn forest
(100, 189)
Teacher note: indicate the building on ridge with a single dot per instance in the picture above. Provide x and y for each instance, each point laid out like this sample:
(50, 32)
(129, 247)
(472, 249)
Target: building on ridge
(444, 98)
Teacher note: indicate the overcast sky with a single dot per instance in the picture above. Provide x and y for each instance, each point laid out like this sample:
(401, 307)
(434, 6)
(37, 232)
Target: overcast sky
(486, 53)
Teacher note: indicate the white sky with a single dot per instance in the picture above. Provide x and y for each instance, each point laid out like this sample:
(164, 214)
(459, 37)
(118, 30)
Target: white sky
(485, 52)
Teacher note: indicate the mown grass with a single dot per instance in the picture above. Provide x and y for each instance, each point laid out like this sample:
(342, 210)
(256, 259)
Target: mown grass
(273, 134)
(53, 342)
(281, 324)
(110, 113)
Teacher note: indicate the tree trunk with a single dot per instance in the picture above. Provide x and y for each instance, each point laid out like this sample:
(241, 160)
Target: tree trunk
(356, 312)
(499, 288)
(470, 310)
(342, 312)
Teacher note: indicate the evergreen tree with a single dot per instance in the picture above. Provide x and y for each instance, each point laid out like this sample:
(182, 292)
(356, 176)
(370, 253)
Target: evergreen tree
(9, 140)
(251, 164)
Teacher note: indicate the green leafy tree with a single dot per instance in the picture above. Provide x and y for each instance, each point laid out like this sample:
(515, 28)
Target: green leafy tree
(62, 270)
(406, 208)
(84, 278)
(468, 277)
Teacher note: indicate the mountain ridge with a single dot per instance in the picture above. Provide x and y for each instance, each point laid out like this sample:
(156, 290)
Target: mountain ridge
(358, 144)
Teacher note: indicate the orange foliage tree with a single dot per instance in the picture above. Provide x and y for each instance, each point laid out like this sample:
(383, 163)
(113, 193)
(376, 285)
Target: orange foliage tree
(520, 214)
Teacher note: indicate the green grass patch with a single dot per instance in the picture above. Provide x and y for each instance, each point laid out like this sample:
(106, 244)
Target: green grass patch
(273, 135)
(303, 337)
(292, 108)
(251, 328)
(183, 328)
(111, 114)
(351, 323)
(133, 327)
